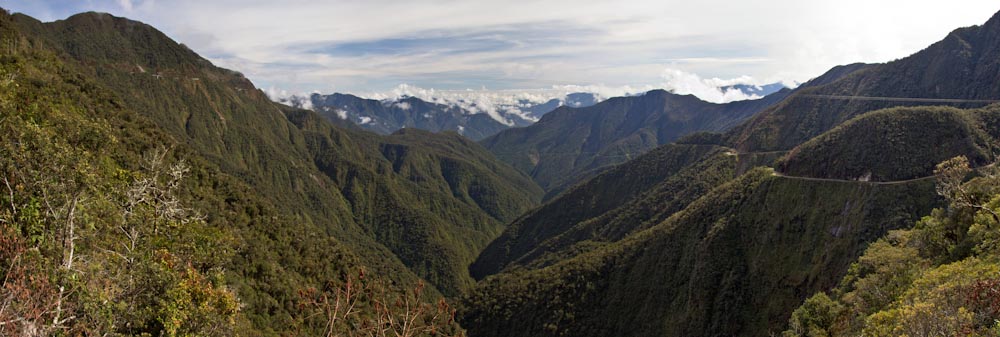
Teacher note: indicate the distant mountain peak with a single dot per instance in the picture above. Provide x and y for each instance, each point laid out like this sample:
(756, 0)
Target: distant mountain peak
(464, 116)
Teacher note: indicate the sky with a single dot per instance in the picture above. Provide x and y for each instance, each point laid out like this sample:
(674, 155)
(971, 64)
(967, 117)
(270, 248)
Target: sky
(502, 49)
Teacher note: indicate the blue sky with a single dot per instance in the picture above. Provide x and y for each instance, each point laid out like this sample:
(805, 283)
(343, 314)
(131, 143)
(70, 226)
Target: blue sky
(374, 47)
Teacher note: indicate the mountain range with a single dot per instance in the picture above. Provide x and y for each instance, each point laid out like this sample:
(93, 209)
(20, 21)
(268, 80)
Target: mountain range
(571, 144)
(690, 239)
(149, 192)
(387, 116)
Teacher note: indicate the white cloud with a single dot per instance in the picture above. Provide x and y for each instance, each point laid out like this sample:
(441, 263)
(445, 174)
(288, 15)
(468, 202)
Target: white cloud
(365, 120)
(283, 96)
(503, 105)
(684, 83)
(126, 5)
(403, 105)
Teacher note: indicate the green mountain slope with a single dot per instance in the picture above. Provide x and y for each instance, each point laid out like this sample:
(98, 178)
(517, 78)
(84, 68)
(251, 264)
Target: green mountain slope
(964, 65)
(220, 113)
(877, 146)
(74, 145)
(938, 278)
(737, 260)
(734, 262)
(610, 206)
(568, 145)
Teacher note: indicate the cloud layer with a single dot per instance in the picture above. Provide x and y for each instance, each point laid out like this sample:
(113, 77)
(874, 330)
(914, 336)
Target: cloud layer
(508, 105)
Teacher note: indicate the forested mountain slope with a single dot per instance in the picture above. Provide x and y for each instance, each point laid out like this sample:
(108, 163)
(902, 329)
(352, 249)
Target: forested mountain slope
(721, 256)
(291, 201)
(570, 144)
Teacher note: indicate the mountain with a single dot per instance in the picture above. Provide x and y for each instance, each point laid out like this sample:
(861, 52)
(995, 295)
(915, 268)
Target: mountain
(878, 146)
(612, 205)
(935, 278)
(735, 261)
(689, 242)
(386, 117)
(573, 100)
(964, 66)
(755, 90)
(303, 202)
(570, 144)
(671, 244)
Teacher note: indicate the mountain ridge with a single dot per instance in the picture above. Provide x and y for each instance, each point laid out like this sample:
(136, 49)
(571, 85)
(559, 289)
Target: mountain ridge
(568, 145)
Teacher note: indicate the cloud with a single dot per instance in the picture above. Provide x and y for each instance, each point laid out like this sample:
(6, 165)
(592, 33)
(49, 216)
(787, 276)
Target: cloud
(506, 104)
(126, 5)
(710, 90)
(301, 101)
(403, 105)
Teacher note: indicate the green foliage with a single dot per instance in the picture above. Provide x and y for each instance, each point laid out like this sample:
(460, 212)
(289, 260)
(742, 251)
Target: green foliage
(938, 278)
(910, 141)
(273, 201)
(89, 232)
(711, 268)
(616, 203)
(817, 312)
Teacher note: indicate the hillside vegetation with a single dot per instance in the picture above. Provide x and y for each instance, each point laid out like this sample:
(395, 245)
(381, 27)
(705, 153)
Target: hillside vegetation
(570, 145)
(707, 270)
(255, 204)
(897, 144)
(703, 266)
(609, 206)
(938, 278)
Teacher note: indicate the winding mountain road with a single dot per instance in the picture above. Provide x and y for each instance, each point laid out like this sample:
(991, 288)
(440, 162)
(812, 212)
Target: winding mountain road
(899, 99)
(775, 173)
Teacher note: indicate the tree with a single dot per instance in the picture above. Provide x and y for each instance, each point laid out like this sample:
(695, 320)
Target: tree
(951, 176)
(367, 306)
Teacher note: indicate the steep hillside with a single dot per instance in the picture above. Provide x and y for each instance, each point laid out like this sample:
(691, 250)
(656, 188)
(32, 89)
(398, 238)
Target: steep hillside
(609, 206)
(965, 65)
(938, 278)
(734, 262)
(568, 145)
(391, 199)
(711, 266)
(111, 226)
(411, 112)
(434, 200)
(880, 145)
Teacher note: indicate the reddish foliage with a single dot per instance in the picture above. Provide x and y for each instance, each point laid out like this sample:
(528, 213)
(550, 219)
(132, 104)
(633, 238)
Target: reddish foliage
(984, 296)
(27, 299)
